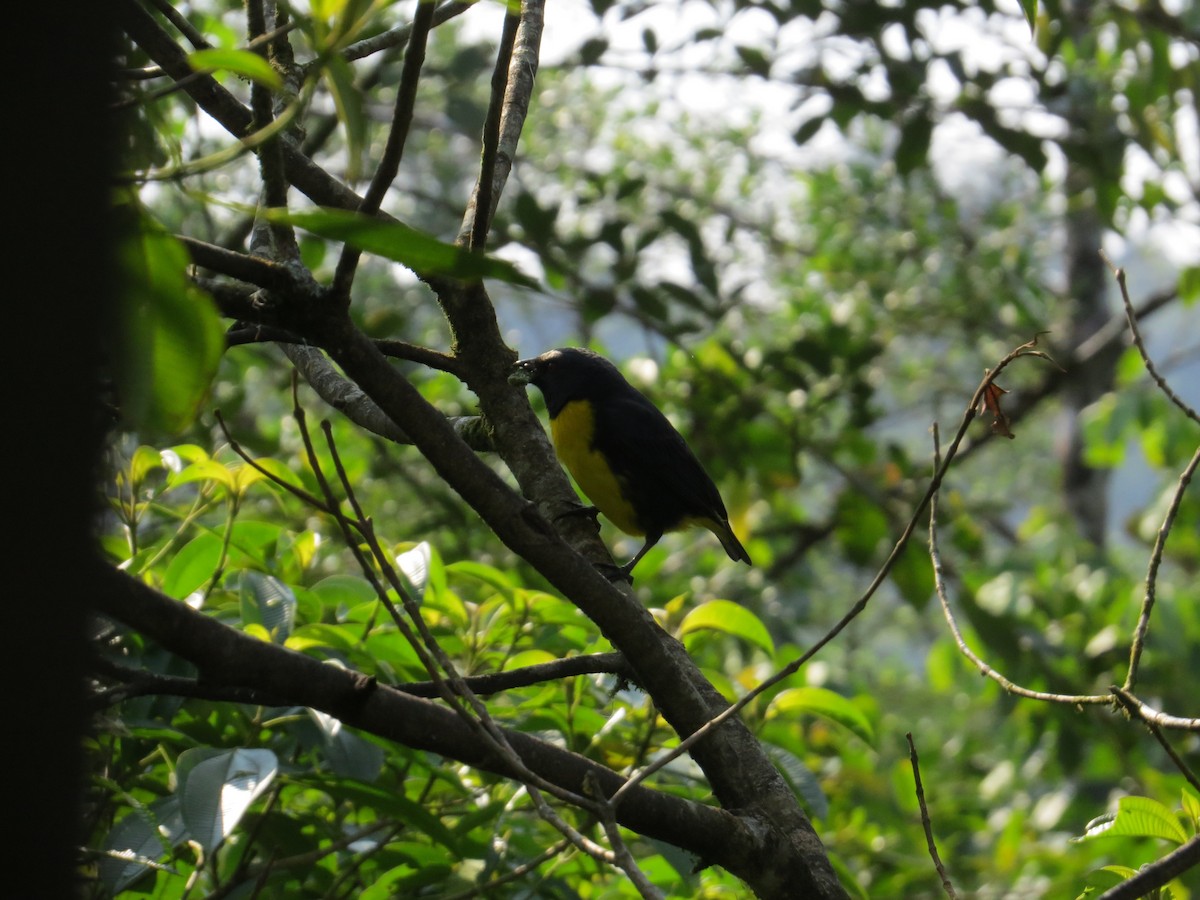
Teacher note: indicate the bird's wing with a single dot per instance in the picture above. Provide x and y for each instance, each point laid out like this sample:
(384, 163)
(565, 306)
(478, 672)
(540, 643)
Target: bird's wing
(643, 448)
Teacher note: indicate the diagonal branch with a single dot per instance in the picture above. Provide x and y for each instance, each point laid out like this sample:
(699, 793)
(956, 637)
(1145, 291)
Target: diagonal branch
(1143, 624)
(518, 93)
(1157, 874)
(1131, 316)
(481, 203)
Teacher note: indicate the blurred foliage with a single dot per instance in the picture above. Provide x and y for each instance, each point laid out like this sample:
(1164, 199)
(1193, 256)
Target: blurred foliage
(803, 315)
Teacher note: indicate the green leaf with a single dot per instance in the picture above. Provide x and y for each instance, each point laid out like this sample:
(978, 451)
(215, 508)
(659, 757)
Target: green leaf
(348, 754)
(730, 618)
(1100, 880)
(322, 635)
(348, 100)
(172, 338)
(240, 62)
(1108, 426)
(343, 592)
(145, 460)
(592, 50)
(422, 253)
(192, 566)
(1137, 817)
(206, 470)
(1191, 809)
(216, 790)
(482, 572)
(1029, 7)
(825, 703)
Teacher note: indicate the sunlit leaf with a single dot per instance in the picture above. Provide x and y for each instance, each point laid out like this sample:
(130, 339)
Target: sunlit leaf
(401, 243)
(1137, 817)
(193, 566)
(240, 62)
(1191, 809)
(730, 618)
(414, 566)
(172, 337)
(825, 703)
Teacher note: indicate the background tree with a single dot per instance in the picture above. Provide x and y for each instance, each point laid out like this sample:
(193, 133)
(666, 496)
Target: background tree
(804, 310)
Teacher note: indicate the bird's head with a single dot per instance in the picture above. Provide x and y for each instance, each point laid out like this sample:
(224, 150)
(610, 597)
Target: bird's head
(566, 374)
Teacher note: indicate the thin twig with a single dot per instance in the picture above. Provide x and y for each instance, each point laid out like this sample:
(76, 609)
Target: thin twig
(1149, 715)
(351, 401)
(451, 686)
(939, 583)
(1134, 707)
(1119, 274)
(270, 157)
(568, 667)
(436, 661)
(1139, 634)
(925, 823)
(608, 821)
(179, 20)
(296, 492)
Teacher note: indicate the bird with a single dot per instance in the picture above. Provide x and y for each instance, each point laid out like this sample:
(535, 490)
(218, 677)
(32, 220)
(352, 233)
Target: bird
(624, 454)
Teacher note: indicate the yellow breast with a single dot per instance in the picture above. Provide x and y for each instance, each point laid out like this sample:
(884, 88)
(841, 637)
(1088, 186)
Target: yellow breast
(573, 430)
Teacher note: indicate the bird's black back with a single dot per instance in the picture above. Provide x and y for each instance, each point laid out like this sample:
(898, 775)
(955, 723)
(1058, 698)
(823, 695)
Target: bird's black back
(666, 483)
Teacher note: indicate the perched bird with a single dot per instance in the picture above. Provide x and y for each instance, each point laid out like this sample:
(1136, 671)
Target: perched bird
(623, 453)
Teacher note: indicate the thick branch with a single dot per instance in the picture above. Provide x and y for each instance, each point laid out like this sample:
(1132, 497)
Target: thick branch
(226, 657)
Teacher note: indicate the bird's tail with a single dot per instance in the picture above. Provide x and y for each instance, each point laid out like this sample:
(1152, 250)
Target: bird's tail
(729, 541)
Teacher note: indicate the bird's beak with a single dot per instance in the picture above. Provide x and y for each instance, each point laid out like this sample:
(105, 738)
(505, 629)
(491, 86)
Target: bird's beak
(524, 371)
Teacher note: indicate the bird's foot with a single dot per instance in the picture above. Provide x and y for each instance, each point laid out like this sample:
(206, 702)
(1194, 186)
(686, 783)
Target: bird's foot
(615, 573)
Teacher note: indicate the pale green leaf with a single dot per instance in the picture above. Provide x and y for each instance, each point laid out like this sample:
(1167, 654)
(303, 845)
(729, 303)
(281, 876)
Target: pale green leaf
(1191, 808)
(239, 62)
(1138, 817)
(730, 618)
(192, 566)
(825, 703)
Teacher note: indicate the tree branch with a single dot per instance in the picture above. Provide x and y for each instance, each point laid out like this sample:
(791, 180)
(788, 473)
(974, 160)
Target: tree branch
(229, 658)
(1157, 874)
